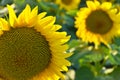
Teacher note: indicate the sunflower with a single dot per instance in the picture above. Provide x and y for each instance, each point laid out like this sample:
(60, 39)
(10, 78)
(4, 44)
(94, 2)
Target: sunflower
(97, 23)
(31, 47)
(68, 4)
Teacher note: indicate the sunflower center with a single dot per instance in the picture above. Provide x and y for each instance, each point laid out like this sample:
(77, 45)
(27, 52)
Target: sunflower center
(66, 2)
(99, 22)
(24, 53)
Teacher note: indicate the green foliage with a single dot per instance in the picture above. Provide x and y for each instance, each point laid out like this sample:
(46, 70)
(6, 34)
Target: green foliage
(116, 73)
(4, 2)
(86, 73)
(92, 64)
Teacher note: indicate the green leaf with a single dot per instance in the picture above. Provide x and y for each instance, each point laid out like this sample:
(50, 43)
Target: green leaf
(44, 6)
(72, 12)
(116, 73)
(84, 73)
(103, 78)
(4, 2)
(114, 59)
(49, 7)
(93, 56)
(20, 2)
(78, 53)
(74, 43)
(117, 41)
(117, 58)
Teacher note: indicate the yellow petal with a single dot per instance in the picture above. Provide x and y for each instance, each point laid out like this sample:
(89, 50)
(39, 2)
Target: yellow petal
(4, 25)
(34, 11)
(97, 3)
(24, 16)
(33, 17)
(27, 11)
(106, 5)
(56, 27)
(91, 5)
(41, 15)
(12, 16)
(47, 21)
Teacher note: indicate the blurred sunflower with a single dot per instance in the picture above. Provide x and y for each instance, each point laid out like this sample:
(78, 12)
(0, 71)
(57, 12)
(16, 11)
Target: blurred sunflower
(68, 4)
(97, 23)
(31, 48)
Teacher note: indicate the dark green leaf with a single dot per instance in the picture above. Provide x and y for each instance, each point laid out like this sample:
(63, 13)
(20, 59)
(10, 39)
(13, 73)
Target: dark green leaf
(103, 78)
(84, 73)
(116, 73)
(5, 2)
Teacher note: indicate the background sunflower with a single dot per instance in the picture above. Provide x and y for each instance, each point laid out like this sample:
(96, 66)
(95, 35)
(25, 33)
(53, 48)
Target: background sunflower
(97, 23)
(68, 4)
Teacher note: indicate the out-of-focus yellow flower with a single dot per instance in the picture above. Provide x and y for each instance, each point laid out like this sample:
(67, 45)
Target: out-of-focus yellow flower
(97, 23)
(68, 4)
(31, 47)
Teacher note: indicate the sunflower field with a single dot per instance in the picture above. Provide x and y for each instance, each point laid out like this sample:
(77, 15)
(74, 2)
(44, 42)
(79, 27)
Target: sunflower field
(59, 39)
